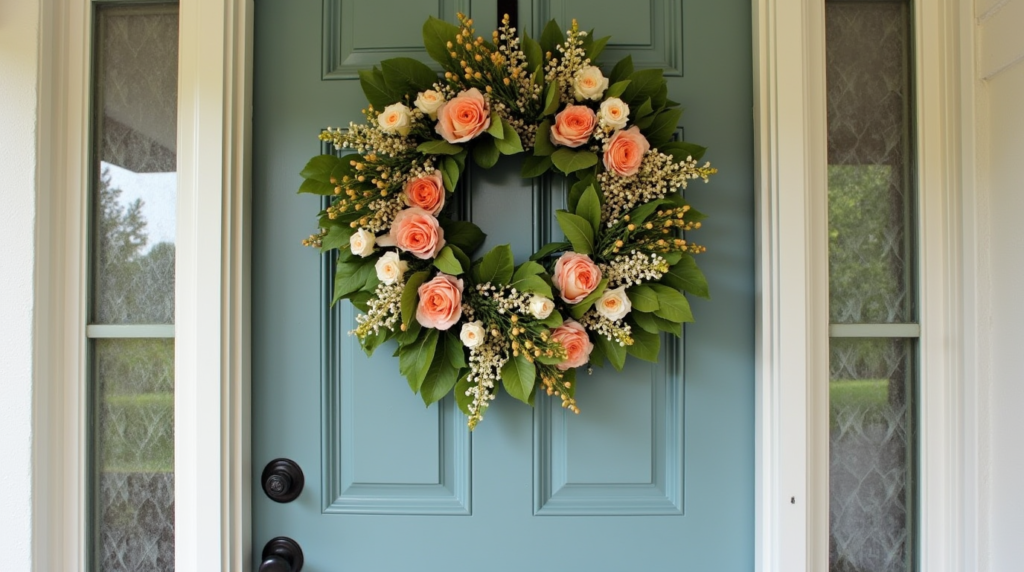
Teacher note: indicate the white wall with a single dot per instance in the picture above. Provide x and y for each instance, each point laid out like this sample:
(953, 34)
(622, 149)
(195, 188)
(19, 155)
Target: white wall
(19, 77)
(999, 58)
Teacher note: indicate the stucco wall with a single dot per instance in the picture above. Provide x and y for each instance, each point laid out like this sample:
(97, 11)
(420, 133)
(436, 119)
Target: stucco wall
(19, 39)
(1000, 144)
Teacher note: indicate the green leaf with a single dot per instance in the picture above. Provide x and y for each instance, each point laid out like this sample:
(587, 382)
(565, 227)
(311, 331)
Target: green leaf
(337, 237)
(319, 168)
(376, 89)
(680, 150)
(578, 230)
(350, 277)
(518, 377)
(687, 277)
(496, 266)
(533, 51)
(576, 191)
(533, 285)
(551, 99)
(622, 70)
(410, 296)
(436, 35)
(442, 374)
(643, 298)
(585, 304)
(644, 321)
(589, 207)
(644, 110)
(453, 347)
(674, 328)
(464, 234)
(438, 147)
(551, 37)
(645, 345)
(313, 187)
(407, 76)
(673, 305)
(414, 359)
(412, 331)
(553, 320)
(615, 353)
(542, 146)
(495, 128)
(569, 161)
(643, 84)
(535, 166)
(663, 128)
(510, 144)
(450, 173)
(596, 47)
(459, 255)
(525, 269)
(485, 152)
(447, 262)
(461, 399)
(373, 340)
(550, 248)
(616, 89)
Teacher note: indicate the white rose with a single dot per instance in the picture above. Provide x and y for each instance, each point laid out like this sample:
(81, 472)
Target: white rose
(541, 307)
(390, 268)
(428, 102)
(614, 113)
(614, 304)
(396, 118)
(590, 83)
(362, 242)
(472, 334)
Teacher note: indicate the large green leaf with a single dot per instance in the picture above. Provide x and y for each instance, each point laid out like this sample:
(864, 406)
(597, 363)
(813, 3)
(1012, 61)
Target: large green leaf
(496, 266)
(568, 161)
(414, 359)
(337, 237)
(643, 298)
(551, 99)
(436, 35)
(673, 306)
(551, 37)
(450, 173)
(456, 352)
(350, 277)
(535, 166)
(459, 255)
(550, 248)
(578, 230)
(495, 128)
(533, 51)
(376, 89)
(687, 277)
(447, 262)
(644, 321)
(313, 187)
(589, 207)
(542, 146)
(510, 144)
(518, 377)
(442, 374)
(438, 147)
(461, 399)
(464, 234)
(533, 285)
(615, 353)
(645, 345)
(528, 268)
(485, 152)
(643, 84)
(680, 150)
(319, 168)
(407, 76)
(410, 296)
(622, 70)
(663, 128)
(595, 47)
(616, 89)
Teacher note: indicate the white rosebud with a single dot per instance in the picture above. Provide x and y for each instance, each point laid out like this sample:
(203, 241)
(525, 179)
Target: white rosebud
(590, 83)
(472, 334)
(541, 307)
(428, 102)
(362, 242)
(614, 113)
(614, 304)
(391, 268)
(396, 118)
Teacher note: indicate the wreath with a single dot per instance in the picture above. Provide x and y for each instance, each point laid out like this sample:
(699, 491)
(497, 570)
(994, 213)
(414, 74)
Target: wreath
(472, 325)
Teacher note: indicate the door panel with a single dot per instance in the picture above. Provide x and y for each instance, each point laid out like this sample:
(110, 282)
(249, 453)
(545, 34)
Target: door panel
(655, 473)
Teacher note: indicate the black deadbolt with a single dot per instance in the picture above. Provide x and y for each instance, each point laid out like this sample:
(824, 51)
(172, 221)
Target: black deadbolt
(283, 480)
(282, 554)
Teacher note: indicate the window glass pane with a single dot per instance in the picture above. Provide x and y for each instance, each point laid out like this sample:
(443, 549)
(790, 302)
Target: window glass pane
(136, 79)
(870, 455)
(867, 65)
(134, 454)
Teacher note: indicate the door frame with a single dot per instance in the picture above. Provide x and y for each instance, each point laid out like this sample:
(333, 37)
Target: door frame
(212, 398)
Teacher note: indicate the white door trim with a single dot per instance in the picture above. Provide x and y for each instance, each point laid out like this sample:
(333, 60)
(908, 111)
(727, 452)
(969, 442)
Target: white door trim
(212, 467)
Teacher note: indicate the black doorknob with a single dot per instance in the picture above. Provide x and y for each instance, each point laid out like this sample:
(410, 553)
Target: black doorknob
(283, 480)
(282, 554)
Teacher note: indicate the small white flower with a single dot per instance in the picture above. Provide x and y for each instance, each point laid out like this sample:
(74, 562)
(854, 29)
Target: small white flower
(541, 307)
(428, 101)
(589, 83)
(472, 334)
(390, 268)
(362, 242)
(614, 304)
(614, 113)
(396, 118)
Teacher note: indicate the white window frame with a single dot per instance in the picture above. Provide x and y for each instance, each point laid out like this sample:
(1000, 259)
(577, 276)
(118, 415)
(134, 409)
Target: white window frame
(212, 462)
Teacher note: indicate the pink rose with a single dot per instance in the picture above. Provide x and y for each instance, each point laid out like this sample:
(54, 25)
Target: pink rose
(576, 276)
(576, 342)
(463, 117)
(440, 302)
(624, 151)
(426, 192)
(573, 126)
(416, 231)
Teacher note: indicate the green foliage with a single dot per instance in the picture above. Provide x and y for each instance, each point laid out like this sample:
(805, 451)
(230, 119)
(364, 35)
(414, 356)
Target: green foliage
(687, 277)
(518, 377)
(414, 359)
(438, 147)
(578, 230)
(543, 146)
(407, 77)
(436, 35)
(569, 161)
(643, 298)
(495, 267)
(622, 70)
(463, 234)
(589, 207)
(645, 345)
(485, 152)
(376, 89)
(585, 304)
(534, 166)
(672, 305)
(447, 262)
(444, 370)
(410, 295)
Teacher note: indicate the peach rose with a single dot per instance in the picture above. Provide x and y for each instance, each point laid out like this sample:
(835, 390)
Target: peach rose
(415, 231)
(426, 192)
(440, 302)
(573, 126)
(625, 151)
(576, 342)
(463, 117)
(575, 276)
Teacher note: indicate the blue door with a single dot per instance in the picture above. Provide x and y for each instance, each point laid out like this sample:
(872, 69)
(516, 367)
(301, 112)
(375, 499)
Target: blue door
(656, 473)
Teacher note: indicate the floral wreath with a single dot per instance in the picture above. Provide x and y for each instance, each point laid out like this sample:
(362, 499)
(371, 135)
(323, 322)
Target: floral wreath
(472, 325)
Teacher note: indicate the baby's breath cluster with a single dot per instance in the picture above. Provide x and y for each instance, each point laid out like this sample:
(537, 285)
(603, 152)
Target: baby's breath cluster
(485, 363)
(658, 176)
(384, 310)
(617, 331)
(565, 66)
(633, 268)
